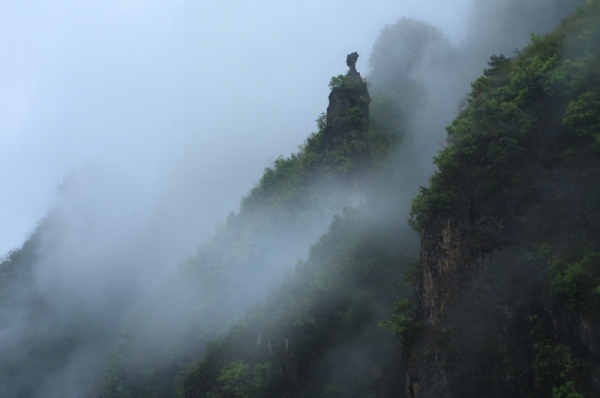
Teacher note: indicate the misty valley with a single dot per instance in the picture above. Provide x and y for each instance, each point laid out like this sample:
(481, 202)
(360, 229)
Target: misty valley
(437, 235)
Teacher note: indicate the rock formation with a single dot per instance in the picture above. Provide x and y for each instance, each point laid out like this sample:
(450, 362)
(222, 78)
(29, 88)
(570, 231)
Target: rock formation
(348, 119)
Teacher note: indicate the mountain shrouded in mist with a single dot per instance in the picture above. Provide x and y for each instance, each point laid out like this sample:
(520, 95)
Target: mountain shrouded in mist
(337, 276)
(509, 230)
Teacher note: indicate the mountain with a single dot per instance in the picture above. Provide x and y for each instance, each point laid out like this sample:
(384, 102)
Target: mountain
(508, 303)
(247, 256)
(319, 286)
(316, 333)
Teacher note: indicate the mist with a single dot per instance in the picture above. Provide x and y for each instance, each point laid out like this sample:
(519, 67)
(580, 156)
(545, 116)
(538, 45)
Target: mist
(191, 100)
(131, 128)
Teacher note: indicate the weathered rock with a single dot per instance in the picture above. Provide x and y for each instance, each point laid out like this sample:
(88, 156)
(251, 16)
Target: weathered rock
(347, 129)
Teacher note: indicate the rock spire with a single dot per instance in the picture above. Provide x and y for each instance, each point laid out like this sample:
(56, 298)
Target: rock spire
(348, 117)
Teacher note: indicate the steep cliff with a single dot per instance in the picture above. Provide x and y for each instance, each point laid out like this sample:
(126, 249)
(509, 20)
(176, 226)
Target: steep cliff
(509, 297)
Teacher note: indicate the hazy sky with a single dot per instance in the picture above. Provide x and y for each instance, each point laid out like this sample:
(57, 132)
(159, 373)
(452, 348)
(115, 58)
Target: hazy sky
(191, 100)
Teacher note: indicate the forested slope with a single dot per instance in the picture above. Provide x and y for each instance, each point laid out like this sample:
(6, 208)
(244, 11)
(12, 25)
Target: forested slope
(509, 298)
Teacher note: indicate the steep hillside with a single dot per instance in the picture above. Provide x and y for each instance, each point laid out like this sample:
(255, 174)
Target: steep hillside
(293, 203)
(509, 298)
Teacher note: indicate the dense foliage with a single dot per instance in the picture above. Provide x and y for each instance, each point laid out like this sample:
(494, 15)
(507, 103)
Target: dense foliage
(517, 194)
(545, 96)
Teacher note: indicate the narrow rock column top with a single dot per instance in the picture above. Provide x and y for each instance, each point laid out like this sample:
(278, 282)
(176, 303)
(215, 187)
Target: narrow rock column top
(351, 62)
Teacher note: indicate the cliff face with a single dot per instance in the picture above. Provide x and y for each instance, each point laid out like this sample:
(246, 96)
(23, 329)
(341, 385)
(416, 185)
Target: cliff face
(509, 301)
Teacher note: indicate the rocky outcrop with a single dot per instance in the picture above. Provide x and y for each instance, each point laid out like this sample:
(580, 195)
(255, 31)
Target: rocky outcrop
(346, 133)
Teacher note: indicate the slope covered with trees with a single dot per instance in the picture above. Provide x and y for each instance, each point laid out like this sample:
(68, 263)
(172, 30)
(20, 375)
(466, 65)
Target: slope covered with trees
(509, 295)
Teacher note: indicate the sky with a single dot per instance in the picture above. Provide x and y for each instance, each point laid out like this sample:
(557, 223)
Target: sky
(188, 101)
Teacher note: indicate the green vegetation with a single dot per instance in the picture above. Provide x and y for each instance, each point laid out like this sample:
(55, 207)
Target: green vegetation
(238, 379)
(402, 322)
(520, 171)
(507, 117)
(565, 391)
(343, 82)
(576, 282)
